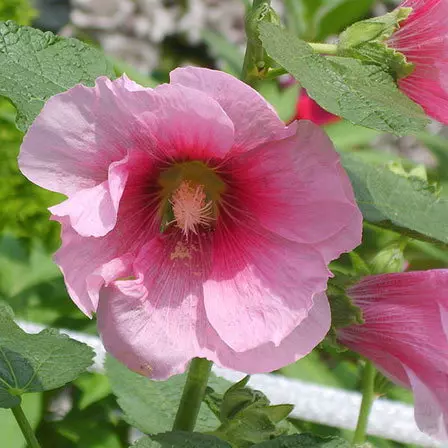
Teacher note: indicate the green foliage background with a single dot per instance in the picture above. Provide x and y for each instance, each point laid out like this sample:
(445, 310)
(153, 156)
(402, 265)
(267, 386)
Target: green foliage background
(32, 285)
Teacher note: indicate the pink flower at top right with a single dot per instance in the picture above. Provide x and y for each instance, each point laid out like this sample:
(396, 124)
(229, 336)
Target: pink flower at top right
(423, 39)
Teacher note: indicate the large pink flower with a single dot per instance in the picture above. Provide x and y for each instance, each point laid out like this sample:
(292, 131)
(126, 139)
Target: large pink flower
(423, 39)
(197, 223)
(406, 335)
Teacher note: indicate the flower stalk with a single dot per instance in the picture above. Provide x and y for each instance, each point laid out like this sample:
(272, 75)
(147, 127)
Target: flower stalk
(25, 427)
(368, 396)
(192, 395)
(325, 49)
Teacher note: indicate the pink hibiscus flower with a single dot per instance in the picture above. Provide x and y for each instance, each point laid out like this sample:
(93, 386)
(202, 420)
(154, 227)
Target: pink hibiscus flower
(308, 109)
(197, 224)
(423, 39)
(406, 335)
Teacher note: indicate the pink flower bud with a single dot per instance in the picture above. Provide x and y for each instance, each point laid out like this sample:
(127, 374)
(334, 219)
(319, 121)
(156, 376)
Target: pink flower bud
(423, 39)
(406, 335)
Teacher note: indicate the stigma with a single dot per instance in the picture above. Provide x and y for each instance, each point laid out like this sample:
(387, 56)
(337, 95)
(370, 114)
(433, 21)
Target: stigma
(190, 207)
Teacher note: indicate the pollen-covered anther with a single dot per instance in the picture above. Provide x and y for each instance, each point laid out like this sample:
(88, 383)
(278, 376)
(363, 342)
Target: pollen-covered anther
(190, 207)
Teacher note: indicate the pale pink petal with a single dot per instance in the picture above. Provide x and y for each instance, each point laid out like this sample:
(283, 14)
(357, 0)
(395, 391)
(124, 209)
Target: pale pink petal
(154, 339)
(93, 211)
(187, 123)
(159, 341)
(78, 134)
(151, 324)
(431, 405)
(87, 264)
(268, 357)
(261, 287)
(255, 120)
(297, 188)
(81, 132)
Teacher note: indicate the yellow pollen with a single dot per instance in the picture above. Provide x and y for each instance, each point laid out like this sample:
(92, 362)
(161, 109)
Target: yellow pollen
(190, 207)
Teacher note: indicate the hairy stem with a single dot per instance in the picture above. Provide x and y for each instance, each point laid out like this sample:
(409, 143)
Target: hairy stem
(192, 395)
(368, 395)
(25, 427)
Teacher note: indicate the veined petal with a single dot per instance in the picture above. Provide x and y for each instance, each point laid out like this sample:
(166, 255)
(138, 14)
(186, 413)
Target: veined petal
(81, 132)
(152, 324)
(155, 339)
(93, 211)
(261, 287)
(269, 357)
(255, 120)
(297, 188)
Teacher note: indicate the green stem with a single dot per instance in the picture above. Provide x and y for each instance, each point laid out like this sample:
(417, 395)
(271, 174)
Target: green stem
(192, 395)
(25, 427)
(254, 49)
(328, 49)
(368, 395)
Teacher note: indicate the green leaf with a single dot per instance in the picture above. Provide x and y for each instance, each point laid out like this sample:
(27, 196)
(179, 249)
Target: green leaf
(404, 204)
(304, 441)
(94, 387)
(247, 417)
(347, 137)
(36, 362)
(146, 442)
(35, 66)
(363, 94)
(152, 405)
(180, 439)
(367, 41)
(93, 432)
(15, 263)
(439, 147)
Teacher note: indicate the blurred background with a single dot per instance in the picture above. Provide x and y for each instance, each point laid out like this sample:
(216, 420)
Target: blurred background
(146, 39)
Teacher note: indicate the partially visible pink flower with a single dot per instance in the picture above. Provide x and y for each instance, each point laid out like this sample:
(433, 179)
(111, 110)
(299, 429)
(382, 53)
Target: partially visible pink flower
(308, 109)
(406, 335)
(423, 39)
(197, 224)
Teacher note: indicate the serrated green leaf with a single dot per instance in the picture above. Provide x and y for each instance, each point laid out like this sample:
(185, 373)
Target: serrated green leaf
(363, 94)
(304, 441)
(248, 418)
(397, 202)
(152, 405)
(35, 66)
(180, 439)
(36, 362)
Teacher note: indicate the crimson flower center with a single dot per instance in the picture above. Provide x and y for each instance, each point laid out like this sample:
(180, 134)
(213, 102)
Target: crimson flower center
(190, 194)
